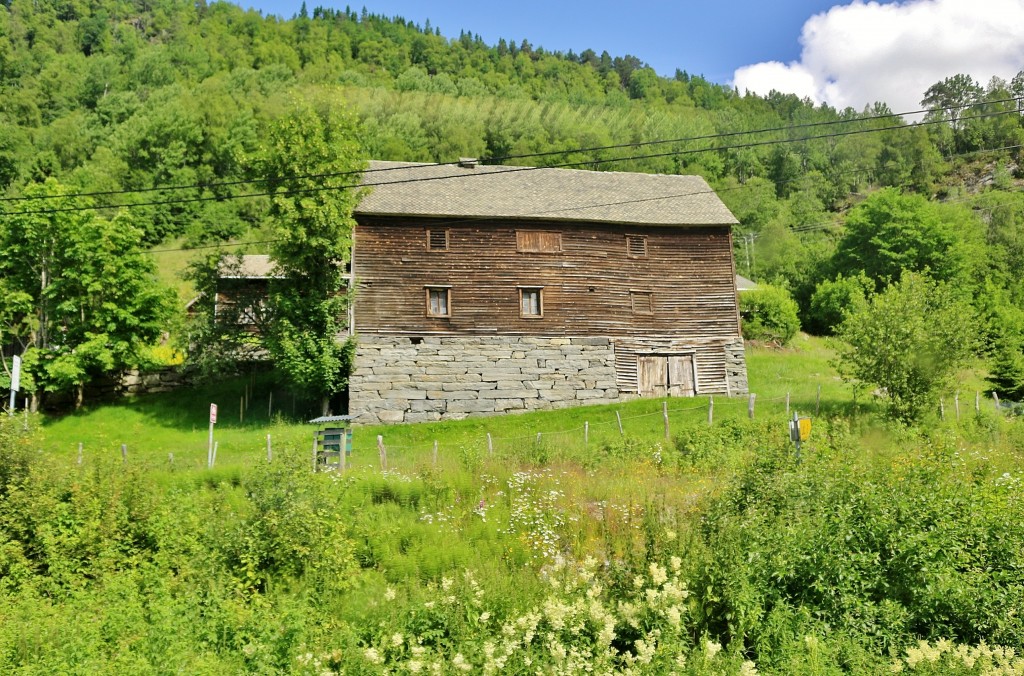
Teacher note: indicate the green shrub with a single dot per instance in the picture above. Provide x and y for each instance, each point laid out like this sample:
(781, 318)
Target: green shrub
(834, 300)
(769, 314)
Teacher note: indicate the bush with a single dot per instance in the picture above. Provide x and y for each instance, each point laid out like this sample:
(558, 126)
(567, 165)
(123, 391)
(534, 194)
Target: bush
(769, 314)
(834, 300)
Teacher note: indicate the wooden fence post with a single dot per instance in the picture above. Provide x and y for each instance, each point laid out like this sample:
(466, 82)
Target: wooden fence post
(241, 409)
(170, 458)
(79, 452)
(586, 434)
(664, 413)
(817, 400)
(435, 452)
(314, 451)
(995, 400)
(942, 409)
(490, 444)
(124, 452)
(619, 419)
(383, 453)
(750, 405)
(270, 453)
(711, 410)
(956, 404)
(977, 403)
(538, 438)
(270, 406)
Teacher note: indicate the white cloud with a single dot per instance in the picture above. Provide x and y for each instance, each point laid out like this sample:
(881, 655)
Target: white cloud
(856, 54)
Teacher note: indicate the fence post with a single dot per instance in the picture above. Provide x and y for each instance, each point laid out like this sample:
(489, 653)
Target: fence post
(270, 406)
(619, 419)
(383, 453)
(79, 452)
(490, 444)
(956, 404)
(942, 409)
(664, 413)
(270, 453)
(170, 458)
(435, 452)
(995, 400)
(314, 451)
(586, 434)
(817, 400)
(977, 402)
(538, 438)
(124, 452)
(711, 410)
(750, 405)
(241, 409)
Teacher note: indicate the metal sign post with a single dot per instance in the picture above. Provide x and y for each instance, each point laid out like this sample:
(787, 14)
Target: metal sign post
(213, 421)
(15, 383)
(799, 432)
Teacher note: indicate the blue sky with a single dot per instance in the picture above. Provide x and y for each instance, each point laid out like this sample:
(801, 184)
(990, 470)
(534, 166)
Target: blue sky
(706, 37)
(841, 52)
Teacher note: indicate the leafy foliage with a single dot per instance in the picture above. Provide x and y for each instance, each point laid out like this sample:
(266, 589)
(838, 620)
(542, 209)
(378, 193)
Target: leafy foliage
(769, 313)
(908, 340)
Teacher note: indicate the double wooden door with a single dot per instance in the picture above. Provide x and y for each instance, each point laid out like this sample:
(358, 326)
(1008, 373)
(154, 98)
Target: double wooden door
(666, 375)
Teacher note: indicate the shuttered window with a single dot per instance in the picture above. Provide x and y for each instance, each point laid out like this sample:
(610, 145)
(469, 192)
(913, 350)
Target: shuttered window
(438, 301)
(636, 246)
(642, 302)
(535, 241)
(437, 240)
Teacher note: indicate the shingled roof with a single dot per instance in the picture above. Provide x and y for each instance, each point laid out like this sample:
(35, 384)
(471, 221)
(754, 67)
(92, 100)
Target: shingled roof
(529, 193)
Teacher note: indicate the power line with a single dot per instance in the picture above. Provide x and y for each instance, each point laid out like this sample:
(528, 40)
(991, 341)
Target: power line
(504, 158)
(798, 229)
(324, 188)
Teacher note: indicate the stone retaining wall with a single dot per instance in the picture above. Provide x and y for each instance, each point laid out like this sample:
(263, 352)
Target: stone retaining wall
(447, 378)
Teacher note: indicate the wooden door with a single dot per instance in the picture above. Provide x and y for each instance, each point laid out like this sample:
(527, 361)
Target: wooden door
(680, 376)
(652, 375)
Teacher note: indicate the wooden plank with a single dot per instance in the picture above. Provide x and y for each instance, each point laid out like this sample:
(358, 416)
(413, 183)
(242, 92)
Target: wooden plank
(680, 375)
(653, 375)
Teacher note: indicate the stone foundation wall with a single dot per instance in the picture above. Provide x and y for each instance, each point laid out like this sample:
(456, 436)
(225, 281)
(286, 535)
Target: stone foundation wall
(736, 367)
(446, 378)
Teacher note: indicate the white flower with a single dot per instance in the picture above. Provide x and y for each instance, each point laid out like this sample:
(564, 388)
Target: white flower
(414, 666)
(460, 663)
(373, 656)
(485, 616)
(658, 575)
(748, 669)
(389, 594)
(397, 640)
(711, 649)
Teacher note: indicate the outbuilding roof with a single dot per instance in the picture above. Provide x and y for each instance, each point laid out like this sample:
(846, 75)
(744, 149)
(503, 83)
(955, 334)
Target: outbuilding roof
(531, 193)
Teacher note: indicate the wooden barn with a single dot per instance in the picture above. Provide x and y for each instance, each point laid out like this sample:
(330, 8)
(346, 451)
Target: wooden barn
(488, 289)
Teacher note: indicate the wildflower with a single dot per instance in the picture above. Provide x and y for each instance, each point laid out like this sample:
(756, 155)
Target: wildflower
(658, 575)
(389, 594)
(485, 616)
(676, 563)
(373, 656)
(446, 583)
(397, 640)
(460, 663)
(670, 535)
(748, 668)
(414, 666)
(638, 581)
(711, 648)
(674, 616)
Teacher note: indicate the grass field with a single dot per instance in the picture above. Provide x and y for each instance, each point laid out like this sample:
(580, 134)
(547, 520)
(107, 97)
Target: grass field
(715, 551)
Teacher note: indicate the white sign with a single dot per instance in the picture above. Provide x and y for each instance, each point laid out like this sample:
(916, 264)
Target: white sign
(213, 413)
(16, 375)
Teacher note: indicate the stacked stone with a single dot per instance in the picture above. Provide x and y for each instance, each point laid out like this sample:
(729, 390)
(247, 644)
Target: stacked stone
(449, 378)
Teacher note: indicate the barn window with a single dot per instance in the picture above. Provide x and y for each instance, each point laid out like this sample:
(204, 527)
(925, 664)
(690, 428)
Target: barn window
(531, 301)
(437, 240)
(439, 301)
(642, 302)
(636, 246)
(535, 241)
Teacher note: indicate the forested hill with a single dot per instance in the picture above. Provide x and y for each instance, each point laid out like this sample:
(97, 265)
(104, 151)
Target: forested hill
(122, 97)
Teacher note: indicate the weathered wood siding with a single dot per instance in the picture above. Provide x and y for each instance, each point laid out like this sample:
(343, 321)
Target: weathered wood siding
(589, 286)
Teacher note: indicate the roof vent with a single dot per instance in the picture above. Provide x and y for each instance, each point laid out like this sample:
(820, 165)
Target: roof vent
(468, 162)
